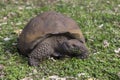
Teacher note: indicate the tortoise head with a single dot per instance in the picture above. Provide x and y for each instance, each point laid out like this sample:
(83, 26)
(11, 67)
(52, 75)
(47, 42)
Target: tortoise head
(75, 48)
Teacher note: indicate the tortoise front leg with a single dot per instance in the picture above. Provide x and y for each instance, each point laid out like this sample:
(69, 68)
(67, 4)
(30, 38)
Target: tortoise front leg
(33, 61)
(41, 51)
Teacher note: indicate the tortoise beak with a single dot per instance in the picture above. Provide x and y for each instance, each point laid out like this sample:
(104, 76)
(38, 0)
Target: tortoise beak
(83, 55)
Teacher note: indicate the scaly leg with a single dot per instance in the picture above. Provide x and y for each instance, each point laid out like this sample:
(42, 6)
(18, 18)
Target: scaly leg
(41, 51)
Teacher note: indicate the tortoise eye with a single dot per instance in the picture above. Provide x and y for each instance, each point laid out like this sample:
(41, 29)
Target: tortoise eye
(74, 45)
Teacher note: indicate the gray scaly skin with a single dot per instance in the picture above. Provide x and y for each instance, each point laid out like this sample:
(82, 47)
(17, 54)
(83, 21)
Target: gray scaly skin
(49, 47)
(57, 46)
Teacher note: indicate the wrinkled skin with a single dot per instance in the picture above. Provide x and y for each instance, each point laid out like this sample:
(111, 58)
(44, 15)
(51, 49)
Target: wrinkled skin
(57, 47)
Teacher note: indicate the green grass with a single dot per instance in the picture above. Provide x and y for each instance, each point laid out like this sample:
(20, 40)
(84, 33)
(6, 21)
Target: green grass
(99, 21)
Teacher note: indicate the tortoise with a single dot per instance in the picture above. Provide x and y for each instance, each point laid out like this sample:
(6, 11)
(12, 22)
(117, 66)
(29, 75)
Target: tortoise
(51, 34)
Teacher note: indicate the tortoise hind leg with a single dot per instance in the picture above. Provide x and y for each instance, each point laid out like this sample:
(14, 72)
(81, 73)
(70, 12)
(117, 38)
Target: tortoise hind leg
(40, 52)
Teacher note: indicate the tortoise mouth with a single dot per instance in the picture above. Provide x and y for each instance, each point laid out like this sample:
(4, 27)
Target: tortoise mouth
(75, 50)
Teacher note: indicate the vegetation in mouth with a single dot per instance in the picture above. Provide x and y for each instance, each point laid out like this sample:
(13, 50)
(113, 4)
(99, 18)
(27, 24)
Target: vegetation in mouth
(76, 51)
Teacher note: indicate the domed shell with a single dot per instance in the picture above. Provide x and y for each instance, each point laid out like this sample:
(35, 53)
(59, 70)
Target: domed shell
(45, 24)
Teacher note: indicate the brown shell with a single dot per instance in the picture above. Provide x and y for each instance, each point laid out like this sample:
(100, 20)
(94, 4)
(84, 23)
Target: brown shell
(45, 24)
